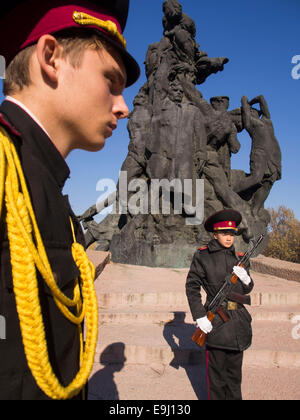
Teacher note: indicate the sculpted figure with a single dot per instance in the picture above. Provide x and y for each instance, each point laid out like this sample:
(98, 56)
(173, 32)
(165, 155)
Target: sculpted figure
(221, 126)
(227, 130)
(216, 175)
(139, 130)
(221, 136)
(180, 29)
(265, 158)
(180, 128)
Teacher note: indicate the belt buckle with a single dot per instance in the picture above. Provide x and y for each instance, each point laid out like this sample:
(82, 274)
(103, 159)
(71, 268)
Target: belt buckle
(231, 306)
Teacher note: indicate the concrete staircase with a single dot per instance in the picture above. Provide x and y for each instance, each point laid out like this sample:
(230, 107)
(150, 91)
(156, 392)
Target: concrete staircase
(145, 352)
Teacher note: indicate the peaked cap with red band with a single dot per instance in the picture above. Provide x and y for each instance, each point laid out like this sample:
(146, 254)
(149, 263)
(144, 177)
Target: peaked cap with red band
(223, 220)
(23, 22)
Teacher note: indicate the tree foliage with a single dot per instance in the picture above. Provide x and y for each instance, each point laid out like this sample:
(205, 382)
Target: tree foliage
(284, 235)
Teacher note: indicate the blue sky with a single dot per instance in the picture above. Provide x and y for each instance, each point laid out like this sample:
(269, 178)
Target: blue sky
(260, 38)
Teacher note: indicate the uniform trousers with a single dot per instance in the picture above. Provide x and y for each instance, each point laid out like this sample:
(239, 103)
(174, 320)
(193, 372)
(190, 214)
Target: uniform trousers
(224, 371)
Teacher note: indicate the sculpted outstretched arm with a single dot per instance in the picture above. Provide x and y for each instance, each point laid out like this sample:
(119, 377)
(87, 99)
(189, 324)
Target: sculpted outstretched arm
(246, 113)
(263, 105)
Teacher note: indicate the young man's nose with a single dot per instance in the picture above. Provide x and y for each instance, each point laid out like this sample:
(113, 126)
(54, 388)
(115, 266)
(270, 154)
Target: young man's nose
(120, 108)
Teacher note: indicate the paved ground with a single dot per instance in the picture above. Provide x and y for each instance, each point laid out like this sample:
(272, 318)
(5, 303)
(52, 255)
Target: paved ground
(144, 350)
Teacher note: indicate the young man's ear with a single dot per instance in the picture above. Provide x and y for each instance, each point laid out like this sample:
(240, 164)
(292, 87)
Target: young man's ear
(48, 52)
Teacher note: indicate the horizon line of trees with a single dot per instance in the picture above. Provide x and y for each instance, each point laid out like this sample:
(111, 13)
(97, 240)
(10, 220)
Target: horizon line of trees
(284, 231)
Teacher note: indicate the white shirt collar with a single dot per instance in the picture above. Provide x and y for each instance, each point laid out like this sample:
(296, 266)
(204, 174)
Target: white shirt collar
(21, 105)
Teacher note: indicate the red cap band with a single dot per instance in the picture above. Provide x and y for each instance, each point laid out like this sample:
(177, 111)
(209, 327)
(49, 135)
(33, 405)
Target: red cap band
(228, 225)
(62, 18)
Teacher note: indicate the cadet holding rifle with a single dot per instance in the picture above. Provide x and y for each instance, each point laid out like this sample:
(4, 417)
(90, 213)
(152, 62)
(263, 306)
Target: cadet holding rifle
(229, 332)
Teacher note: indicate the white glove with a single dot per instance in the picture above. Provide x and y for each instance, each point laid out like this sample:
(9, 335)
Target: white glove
(204, 324)
(242, 274)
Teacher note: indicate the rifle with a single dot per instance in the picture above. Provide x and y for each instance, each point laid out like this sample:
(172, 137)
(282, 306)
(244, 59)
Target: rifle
(224, 293)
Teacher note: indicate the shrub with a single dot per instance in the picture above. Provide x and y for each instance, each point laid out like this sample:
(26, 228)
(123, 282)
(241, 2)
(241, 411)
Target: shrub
(284, 231)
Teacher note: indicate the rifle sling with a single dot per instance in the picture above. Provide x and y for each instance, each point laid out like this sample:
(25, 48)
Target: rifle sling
(238, 298)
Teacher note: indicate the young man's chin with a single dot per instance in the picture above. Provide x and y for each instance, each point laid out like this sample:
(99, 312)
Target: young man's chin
(92, 147)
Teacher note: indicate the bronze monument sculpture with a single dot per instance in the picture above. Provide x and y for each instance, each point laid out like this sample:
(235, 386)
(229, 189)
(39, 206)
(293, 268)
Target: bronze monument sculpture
(176, 135)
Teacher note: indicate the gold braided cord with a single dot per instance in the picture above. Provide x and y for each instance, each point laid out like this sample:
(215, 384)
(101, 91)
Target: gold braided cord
(28, 258)
(2, 175)
(82, 18)
(39, 254)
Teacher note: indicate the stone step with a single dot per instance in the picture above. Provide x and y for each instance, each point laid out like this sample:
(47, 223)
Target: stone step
(181, 313)
(273, 345)
(275, 298)
(122, 285)
(114, 299)
(274, 313)
(276, 336)
(158, 315)
(278, 268)
(128, 279)
(144, 344)
(159, 382)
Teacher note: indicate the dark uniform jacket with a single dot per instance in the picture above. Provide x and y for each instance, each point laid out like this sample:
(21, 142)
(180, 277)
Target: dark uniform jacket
(45, 171)
(209, 268)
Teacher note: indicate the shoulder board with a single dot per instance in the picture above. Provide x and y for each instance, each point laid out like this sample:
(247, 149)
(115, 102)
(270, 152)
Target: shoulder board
(8, 126)
(203, 248)
(240, 254)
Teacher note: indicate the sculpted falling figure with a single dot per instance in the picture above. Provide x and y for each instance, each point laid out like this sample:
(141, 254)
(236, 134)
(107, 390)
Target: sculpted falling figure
(265, 158)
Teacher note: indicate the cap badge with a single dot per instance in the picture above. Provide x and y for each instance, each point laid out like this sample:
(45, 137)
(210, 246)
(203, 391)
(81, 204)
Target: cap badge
(109, 26)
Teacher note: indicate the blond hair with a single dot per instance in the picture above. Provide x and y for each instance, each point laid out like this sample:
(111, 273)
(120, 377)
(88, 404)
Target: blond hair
(73, 42)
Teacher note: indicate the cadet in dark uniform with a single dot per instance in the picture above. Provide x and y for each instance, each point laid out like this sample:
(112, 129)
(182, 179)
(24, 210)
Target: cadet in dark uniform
(67, 68)
(226, 342)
